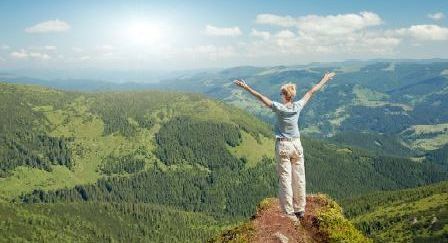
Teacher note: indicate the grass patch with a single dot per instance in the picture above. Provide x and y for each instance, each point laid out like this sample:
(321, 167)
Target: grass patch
(368, 97)
(334, 225)
(427, 137)
(252, 150)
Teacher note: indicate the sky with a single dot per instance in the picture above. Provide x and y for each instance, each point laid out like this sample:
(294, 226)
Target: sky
(182, 35)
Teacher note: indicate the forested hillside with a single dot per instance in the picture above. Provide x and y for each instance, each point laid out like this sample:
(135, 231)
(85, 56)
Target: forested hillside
(157, 166)
(411, 215)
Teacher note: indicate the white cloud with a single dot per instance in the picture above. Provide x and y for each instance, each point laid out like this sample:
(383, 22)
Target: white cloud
(225, 31)
(5, 47)
(287, 42)
(105, 47)
(314, 35)
(272, 19)
(77, 49)
(85, 58)
(355, 45)
(351, 35)
(39, 55)
(324, 25)
(211, 52)
(338, 24)
(48, 26)
(260, 34)
(382, 41)
(50, 48)
(22, 54)
(44, 48)
(285, 34)
(436, 16)
(424, 32)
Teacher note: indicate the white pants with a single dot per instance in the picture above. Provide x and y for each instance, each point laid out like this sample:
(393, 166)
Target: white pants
(291, 173)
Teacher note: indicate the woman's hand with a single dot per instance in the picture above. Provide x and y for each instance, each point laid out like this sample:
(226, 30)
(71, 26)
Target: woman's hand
(265, 100)
(328, 76)
(241, 83)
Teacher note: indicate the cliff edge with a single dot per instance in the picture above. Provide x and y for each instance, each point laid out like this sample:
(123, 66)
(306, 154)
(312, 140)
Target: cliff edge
(323, 222)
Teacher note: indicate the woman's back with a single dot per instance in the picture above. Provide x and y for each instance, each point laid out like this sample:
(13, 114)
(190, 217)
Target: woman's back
(287, 119)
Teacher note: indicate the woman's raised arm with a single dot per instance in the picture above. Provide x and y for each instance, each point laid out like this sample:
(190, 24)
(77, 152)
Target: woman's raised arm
(325, 78)
(265, 100)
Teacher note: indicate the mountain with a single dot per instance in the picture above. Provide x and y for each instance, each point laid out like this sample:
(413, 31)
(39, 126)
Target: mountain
(411, 215)
(402, 99)
(157, 166)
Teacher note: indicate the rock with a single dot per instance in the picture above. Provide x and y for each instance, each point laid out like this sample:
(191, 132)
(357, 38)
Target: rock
(281, 237)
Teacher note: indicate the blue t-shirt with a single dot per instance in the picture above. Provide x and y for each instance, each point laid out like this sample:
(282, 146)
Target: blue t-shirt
(287, 124)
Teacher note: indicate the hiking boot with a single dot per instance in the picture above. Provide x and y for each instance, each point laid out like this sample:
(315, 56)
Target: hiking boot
(292, 217)
(300, 215)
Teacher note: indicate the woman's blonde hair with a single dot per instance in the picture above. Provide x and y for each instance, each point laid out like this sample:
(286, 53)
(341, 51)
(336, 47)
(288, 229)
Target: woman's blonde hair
(289, 90)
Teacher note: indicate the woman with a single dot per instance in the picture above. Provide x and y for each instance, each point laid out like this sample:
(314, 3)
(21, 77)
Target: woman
(288, 148)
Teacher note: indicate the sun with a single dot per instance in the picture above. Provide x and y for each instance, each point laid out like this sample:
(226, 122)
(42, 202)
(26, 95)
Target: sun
(142, 32)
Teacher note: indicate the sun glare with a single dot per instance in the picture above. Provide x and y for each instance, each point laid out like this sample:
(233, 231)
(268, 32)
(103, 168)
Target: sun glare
(141, 33)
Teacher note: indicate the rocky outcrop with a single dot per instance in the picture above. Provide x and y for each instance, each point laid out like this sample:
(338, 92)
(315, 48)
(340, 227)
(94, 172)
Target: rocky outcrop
(323, 222)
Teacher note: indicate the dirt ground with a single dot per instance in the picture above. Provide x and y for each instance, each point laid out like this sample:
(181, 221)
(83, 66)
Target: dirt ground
(271, 225)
